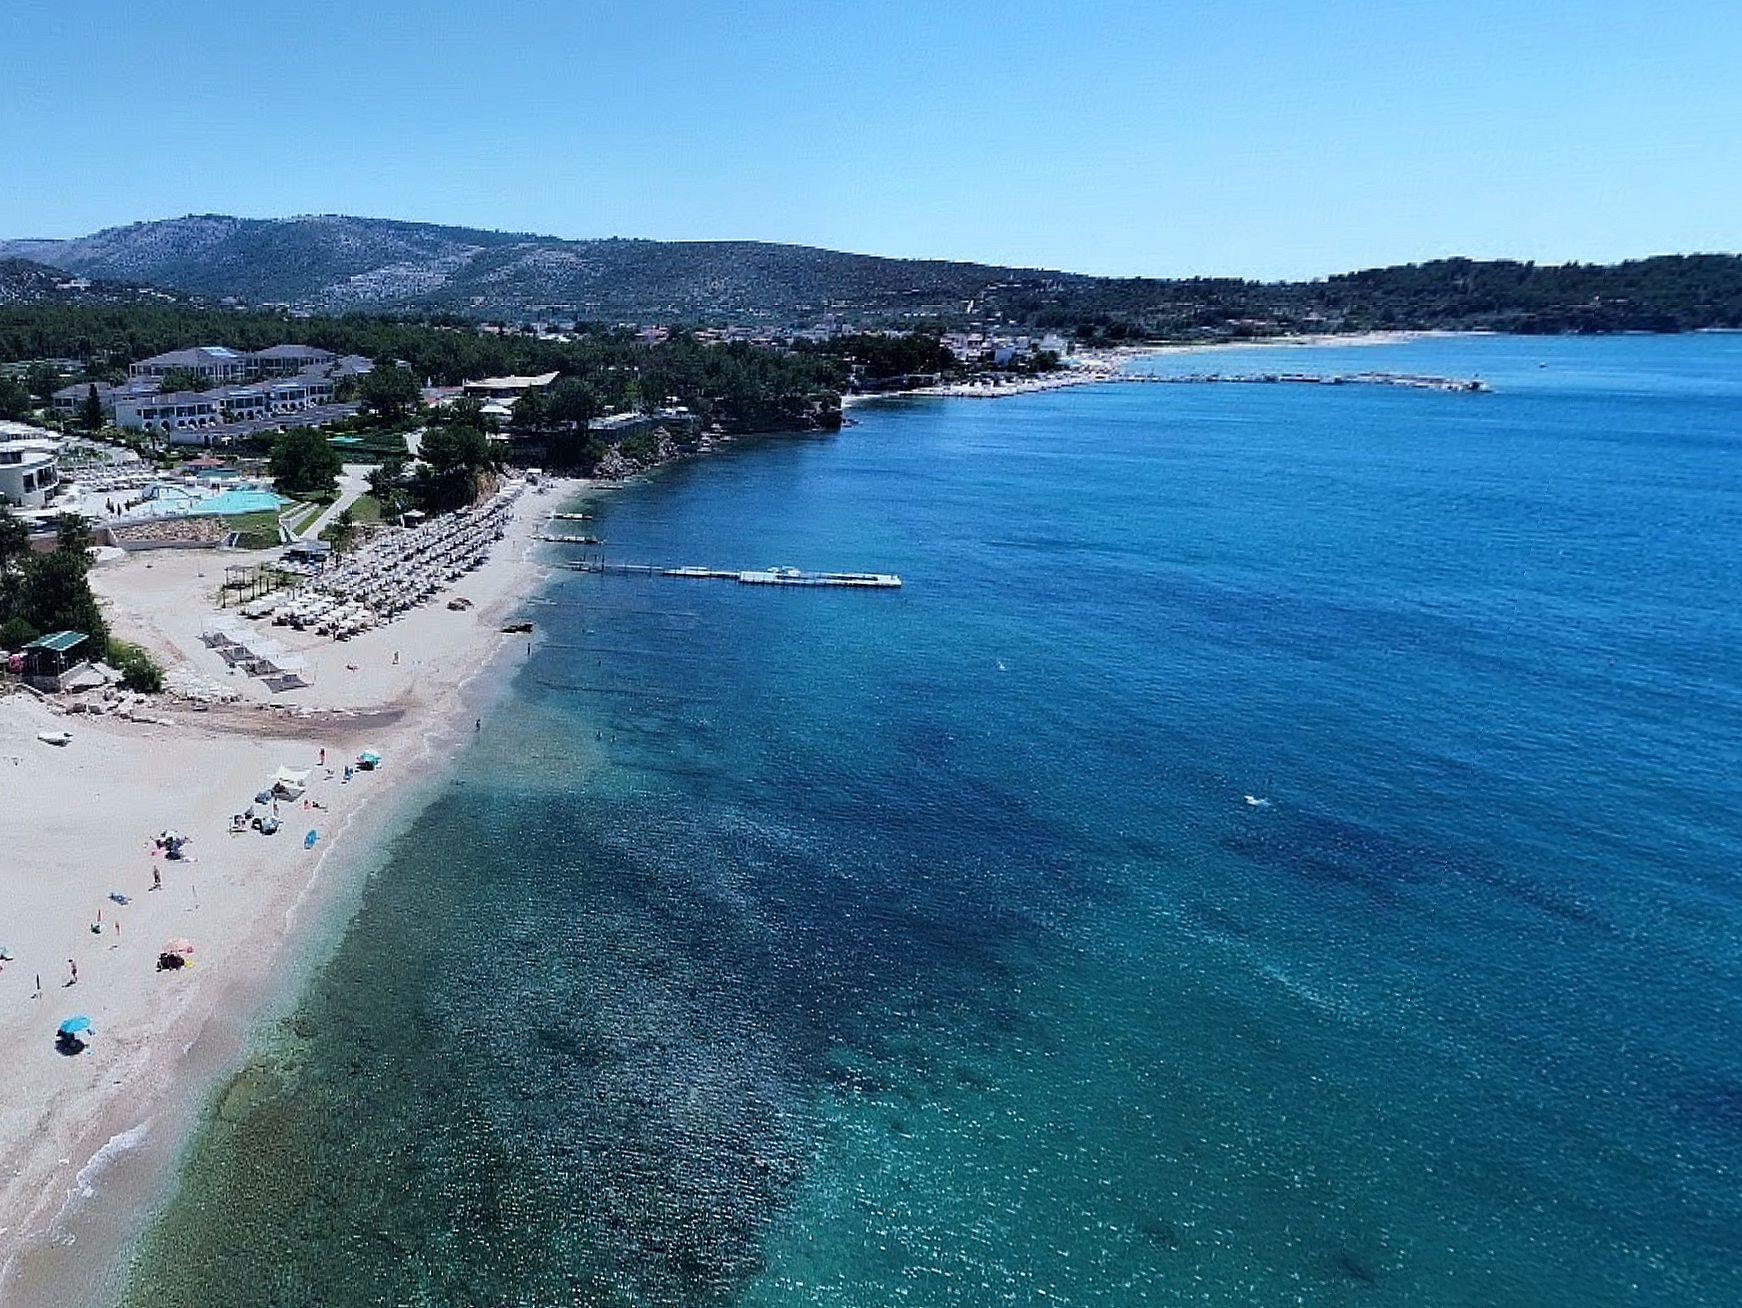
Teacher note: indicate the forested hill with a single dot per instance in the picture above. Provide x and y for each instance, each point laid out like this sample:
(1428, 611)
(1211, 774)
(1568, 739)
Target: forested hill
(339, 265)
(23, 281)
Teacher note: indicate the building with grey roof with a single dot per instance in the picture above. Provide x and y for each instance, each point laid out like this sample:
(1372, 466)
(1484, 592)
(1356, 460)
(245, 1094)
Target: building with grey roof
(283, 360)
(215, 363)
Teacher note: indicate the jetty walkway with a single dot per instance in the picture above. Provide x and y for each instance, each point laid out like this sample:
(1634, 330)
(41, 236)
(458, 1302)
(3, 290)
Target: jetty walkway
(745, 576)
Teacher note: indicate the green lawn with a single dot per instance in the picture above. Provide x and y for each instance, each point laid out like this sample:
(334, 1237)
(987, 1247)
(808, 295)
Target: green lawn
(259, 531)
(366, 509)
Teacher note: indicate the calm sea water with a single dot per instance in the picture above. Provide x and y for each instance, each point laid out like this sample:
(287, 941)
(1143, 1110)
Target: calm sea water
(818, 948)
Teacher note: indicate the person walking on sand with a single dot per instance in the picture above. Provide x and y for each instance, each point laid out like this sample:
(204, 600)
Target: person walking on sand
(72, 967)
(323, 756)
(156, 877)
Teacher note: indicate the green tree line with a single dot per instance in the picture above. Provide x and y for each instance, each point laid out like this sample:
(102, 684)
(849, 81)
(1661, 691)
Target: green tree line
(736, 386)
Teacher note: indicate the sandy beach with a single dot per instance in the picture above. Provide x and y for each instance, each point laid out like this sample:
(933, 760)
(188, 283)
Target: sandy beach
(78, 883)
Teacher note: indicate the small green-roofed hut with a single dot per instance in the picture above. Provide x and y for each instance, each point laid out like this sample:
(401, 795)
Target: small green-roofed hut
(48, 658)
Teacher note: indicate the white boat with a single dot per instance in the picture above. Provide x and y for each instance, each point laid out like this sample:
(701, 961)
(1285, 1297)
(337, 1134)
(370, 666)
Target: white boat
(55, 737)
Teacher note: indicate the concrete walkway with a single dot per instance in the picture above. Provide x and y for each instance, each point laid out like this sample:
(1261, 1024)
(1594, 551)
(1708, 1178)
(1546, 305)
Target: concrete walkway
(353, 484)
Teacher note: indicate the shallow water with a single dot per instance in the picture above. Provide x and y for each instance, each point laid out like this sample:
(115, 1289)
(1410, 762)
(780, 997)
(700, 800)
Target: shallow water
(796, 948)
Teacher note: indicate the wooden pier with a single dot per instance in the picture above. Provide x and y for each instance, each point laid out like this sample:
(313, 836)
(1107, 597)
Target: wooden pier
(553, 538)
(746, 576)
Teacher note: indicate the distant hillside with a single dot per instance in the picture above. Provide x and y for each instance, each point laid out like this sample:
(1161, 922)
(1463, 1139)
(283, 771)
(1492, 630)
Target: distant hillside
(338, 264)
(23, 281)
(343, 265)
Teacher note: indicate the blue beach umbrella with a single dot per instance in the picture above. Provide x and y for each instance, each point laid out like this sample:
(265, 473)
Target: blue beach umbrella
(75, 1025)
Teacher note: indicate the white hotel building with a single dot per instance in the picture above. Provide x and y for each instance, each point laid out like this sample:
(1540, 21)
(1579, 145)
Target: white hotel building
(29, 465)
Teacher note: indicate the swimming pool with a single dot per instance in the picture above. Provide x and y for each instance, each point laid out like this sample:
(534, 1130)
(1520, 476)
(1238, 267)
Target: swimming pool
(166, 501)
(240, 501)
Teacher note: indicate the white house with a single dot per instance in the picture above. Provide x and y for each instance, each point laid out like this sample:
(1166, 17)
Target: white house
(29, 465)
(507, 389)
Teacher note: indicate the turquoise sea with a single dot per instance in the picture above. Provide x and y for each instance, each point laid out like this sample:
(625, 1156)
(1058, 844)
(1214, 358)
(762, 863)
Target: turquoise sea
(785, 949)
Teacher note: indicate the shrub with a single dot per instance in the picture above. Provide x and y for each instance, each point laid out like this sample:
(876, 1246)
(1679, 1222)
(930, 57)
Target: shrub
(16, 633)
(139, 671)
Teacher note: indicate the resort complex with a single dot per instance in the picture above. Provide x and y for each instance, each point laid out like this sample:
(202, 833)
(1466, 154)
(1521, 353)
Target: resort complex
(241, 392)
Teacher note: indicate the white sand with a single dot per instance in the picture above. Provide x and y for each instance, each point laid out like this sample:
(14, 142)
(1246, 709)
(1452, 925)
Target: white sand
(76, 824)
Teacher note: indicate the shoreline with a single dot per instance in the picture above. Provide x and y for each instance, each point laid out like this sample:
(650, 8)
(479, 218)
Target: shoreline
(90, 1151)
(1101, 367)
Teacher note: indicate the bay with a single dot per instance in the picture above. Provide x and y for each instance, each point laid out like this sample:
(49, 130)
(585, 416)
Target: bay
(823, 947)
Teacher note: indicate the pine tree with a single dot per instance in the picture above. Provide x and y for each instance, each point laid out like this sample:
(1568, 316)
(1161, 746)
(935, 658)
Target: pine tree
(92, 414)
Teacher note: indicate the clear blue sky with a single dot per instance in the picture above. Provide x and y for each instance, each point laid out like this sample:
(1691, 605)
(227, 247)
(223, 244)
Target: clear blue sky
(1259, 137)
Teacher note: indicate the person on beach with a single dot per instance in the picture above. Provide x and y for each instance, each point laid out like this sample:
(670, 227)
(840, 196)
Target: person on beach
(323, 756)
(73, 967)
(156, 877)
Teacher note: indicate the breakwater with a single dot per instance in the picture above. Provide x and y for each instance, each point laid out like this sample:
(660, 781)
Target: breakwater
(1407, 380)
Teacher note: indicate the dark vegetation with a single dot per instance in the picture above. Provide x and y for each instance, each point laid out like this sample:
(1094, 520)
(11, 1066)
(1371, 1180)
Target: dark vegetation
(1668, 293)
(303, 464)
(876, 357)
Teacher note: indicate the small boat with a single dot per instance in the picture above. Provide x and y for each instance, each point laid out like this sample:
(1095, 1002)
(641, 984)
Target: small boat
(55, 737)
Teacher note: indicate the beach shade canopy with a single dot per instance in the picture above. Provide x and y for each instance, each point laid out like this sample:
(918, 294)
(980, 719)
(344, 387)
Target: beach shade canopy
(75, 1025)
(369, 759)
(180, 945)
